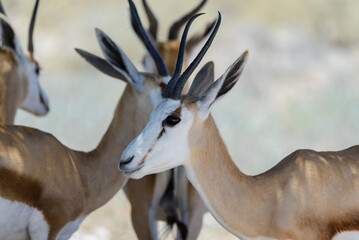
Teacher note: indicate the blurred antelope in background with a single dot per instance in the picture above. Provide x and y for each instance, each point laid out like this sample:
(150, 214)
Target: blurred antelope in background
(19, 73)
(47, 189)
(179, 202)
(308, 195)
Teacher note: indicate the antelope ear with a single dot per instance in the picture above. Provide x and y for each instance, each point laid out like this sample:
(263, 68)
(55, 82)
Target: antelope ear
(118, 60)
(101, 64)
(7, 35)
(221, 86)
(203, 79)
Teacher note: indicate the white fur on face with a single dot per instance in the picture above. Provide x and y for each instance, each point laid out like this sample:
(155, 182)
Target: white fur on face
(156, 96)
(36, 100)
(157, 148)
(148, 63)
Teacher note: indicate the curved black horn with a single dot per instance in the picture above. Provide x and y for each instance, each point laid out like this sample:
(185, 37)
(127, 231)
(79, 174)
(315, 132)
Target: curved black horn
(151, 19)
(196, 39)
(177, 90)
(176, 26)
(160, 63)
(2, 10)
(179, 63)
(30, 46)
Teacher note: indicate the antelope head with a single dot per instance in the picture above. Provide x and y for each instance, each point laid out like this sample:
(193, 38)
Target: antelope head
(143, 90)
(169, 49)
(19, 72)
(163, 143)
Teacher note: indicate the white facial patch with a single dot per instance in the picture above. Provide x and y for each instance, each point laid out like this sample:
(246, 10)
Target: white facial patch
(159, 148)
(17, 220)
(36, 100)
(166, 79)
(149, 63)
(156, 96)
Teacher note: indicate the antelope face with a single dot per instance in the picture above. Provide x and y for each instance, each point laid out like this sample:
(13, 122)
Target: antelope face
(162, 130)
(29, 94)
(162, 144)
(35, 99)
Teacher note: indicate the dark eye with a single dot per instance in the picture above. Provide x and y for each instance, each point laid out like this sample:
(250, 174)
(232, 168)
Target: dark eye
(37, 70)
(171, 121)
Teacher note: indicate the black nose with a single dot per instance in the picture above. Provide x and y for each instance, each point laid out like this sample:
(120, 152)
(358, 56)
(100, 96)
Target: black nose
(124, 162)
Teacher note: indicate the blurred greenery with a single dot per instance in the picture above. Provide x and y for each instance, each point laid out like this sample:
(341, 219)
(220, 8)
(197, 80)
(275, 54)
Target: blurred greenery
(300, 88)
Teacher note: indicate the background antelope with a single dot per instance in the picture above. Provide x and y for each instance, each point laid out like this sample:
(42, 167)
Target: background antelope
(308, 195)
(48, 189)
(19, 73)
(169, 190)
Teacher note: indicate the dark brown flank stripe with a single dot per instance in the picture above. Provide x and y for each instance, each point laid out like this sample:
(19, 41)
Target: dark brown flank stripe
(17, 187)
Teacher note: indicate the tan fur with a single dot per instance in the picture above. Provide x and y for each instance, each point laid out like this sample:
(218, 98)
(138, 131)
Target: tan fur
(36, 169)
(308, 195)
(13, 87)
(169, 51)
(140, 192)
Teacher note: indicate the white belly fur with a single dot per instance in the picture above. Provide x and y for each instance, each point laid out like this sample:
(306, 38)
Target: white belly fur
(18, 221)
(347, 236)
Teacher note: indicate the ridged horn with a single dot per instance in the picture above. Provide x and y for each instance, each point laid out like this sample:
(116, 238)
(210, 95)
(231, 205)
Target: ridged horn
(160, 63)
(179, 63)
(176, 92)
(30, 46)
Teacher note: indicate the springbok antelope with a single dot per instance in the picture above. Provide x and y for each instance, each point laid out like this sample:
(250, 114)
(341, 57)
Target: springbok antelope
(19, 73)
(308, 195)
(47, 189)
(172, 194)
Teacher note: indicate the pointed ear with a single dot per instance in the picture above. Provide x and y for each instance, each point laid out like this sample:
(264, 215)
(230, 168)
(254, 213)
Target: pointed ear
(7, 35)
(203, 79)
(223, 84)
(101, 64)
(118, 60)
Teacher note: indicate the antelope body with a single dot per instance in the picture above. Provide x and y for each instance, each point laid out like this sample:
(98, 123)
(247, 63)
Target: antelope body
(308, 195)
(19, 73)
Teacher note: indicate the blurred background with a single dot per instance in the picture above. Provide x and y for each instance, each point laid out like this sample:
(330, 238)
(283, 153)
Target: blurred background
(300, 88)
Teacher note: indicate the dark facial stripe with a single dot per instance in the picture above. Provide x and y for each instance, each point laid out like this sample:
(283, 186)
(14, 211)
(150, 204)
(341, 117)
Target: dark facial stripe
(150, 150)
(178, 111)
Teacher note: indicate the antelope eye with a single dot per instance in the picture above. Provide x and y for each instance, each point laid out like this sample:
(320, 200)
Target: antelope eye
(171, 121)
(37, 70)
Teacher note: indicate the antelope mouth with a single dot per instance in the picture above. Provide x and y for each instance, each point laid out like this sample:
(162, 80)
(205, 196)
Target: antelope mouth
(129, 172)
